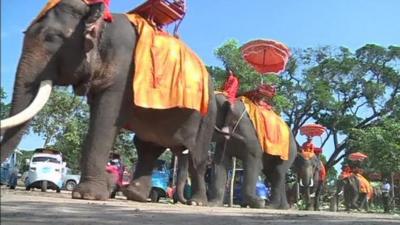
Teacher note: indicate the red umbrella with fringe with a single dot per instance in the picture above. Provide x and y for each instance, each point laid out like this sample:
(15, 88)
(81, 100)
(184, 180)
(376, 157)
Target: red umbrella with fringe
(357, 156)
(266, 56)
(312, 130)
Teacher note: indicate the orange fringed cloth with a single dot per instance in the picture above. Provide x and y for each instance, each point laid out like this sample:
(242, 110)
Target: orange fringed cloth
(272, 131)
(53, 3)
(50, 4)
(167, 73)
(322, 172)
(365, 186)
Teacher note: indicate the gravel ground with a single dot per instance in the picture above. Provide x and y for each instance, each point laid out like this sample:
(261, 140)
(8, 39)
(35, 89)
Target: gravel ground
(34, 207)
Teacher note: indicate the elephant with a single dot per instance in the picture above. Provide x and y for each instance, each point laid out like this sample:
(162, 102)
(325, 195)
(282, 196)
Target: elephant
(308, 168)
(245, 145)
(54, 53)
(353, 197)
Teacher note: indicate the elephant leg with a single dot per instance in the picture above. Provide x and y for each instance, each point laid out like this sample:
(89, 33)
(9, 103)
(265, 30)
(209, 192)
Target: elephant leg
(364, 201)
(182, 175)
(94, 183)
(276, 177)
(197, 170)
(317, 195)
(140, 186)
(218, 179)
(252, 168)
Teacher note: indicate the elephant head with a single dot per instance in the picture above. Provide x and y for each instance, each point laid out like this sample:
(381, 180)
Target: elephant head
(52, 54)
(306, 165)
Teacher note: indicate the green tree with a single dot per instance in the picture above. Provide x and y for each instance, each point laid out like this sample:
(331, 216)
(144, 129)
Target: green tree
(335, 87)
(382, 145)
(52, 120)
(4, 108)
(230, 55)
(125, 147)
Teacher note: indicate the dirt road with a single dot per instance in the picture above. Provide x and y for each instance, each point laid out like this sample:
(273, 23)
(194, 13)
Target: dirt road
(21, 207)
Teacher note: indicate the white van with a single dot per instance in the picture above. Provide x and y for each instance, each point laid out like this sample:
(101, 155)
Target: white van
(46, 170)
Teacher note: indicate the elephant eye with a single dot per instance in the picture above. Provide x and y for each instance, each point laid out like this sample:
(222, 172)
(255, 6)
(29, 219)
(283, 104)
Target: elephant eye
(52, 37)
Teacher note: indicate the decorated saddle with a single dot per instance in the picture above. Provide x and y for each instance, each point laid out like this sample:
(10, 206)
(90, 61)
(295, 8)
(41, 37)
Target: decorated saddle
(365, 186)
(168, 73)
(272, 132)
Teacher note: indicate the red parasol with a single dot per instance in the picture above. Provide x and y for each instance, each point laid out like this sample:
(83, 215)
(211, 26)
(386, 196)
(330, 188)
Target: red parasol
(311, 130)
(266, 56)
(357, 156)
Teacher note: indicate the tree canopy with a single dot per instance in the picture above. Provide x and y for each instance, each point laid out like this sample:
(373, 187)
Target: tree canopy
(335, 87)
(4, 108)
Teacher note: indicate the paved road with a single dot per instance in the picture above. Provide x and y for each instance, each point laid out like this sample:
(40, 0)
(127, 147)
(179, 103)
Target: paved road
(21, 207)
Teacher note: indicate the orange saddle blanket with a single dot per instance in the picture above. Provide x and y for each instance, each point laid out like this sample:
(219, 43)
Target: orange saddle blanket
(365, 186)
(272, 131)
(168, 73)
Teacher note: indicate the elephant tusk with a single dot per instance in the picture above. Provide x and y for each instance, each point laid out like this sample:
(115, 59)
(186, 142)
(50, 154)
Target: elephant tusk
(301, 183)
(37, 104)
(311, 182)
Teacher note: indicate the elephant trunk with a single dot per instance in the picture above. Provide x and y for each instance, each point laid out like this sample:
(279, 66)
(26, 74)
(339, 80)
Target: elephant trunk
(26, 86)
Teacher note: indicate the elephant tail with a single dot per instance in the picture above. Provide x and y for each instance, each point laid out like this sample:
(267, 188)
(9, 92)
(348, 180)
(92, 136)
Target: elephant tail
(182, 175)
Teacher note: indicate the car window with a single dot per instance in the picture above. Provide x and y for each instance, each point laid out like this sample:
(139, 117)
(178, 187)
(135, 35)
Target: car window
(45, 159)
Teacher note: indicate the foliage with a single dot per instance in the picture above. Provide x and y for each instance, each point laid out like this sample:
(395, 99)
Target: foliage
(4, 108)
(332, 174)
(125, 147)
(342, 90)
(230, 55)
(335, 87)
(53, 118)
(382, 145)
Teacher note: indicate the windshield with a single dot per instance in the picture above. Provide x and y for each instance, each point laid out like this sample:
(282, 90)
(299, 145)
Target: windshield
(45, 159)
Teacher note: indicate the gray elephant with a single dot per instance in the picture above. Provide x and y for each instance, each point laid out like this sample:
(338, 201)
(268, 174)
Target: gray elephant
(354, 196)
(310, 174)
(54, 54)
(245, 145)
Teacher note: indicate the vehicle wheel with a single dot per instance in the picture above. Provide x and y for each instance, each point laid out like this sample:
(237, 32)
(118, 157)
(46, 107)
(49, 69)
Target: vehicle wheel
(44, 186)
(154, 195)
(58, 190)
(114, 192)
(28, 188)
(12, 187)
(70, 185)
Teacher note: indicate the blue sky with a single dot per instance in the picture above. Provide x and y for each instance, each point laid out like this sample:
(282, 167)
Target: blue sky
(209, 23)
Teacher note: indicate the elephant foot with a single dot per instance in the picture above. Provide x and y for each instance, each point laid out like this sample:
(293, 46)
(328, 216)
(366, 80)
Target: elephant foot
(277, 206)
(215, 203)
(255, 203)
(91, 190)
(198, 200)
(136, 192)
